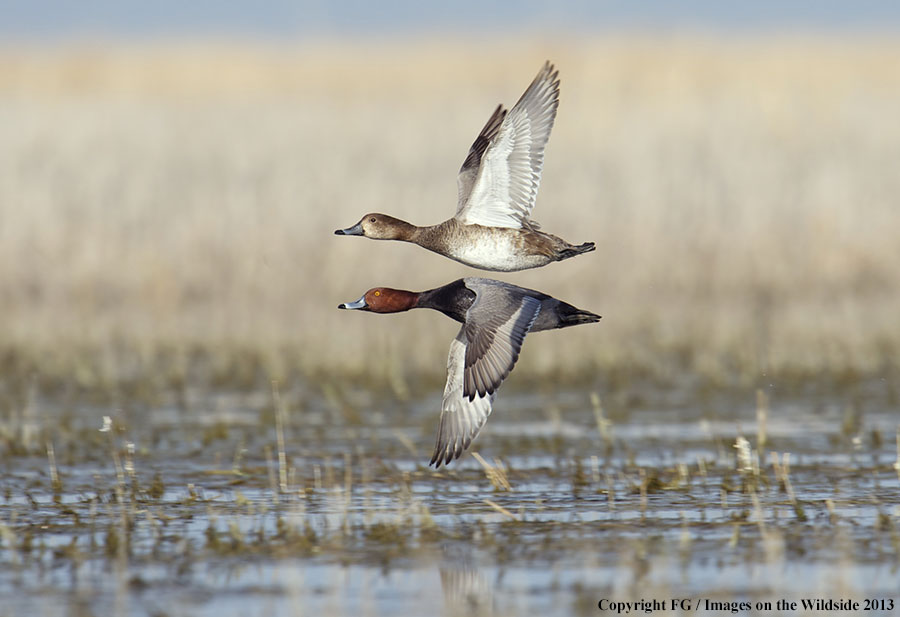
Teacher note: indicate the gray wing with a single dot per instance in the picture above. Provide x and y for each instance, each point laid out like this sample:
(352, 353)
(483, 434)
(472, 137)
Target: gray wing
(461, 418)
(468, 173)
(501, 190)
(495, 330)
(481, 356)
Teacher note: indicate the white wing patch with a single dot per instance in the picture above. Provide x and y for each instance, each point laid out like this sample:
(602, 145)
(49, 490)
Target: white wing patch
(480, 359)
(508, 178)
(461, 418)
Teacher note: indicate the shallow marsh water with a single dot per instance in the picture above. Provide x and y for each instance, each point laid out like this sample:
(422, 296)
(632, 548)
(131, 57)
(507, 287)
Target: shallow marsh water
(207, 508)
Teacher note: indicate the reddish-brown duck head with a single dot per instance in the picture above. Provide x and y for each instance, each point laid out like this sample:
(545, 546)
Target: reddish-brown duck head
(383, 300)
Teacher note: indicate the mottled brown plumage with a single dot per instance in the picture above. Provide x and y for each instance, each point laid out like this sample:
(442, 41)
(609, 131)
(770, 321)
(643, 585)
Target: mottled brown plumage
(497, 187)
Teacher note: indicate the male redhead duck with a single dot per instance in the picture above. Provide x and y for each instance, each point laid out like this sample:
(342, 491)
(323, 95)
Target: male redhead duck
(498, 183)
(495, 316)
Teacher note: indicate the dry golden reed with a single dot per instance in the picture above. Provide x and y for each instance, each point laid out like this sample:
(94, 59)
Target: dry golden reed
(743, 196)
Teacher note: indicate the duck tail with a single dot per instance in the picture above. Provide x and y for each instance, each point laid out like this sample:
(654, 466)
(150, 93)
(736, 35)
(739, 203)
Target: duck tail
(571, 316)
(572, 251)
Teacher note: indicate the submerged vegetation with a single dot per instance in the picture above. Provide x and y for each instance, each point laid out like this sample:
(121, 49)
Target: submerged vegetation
(224, 509)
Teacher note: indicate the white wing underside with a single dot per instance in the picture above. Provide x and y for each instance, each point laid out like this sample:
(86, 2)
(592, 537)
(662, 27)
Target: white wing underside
(461, 419)
(507, 180)
(472, 384)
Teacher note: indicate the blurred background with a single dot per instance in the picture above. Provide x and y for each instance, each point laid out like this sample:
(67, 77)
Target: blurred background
(171, 174)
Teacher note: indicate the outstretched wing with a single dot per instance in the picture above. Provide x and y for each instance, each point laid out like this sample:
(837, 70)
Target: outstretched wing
(494, 338)
(461, 418)
(499, 179)
(468, 173)
(481, 356)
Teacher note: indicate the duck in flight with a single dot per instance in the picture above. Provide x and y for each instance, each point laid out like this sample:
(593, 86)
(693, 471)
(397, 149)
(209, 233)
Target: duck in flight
(495, 318)
(497, 186)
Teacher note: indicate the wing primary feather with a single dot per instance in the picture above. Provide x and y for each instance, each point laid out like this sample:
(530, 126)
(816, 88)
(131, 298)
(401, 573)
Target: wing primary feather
(500, 177)
(468, 172)
(493, 348)
(470, 388)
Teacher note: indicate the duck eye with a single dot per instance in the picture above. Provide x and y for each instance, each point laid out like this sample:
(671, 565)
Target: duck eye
(377, 293)
(372, 220)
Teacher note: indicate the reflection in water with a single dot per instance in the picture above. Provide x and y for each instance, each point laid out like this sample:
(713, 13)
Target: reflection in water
(466, 592)
(466, 589)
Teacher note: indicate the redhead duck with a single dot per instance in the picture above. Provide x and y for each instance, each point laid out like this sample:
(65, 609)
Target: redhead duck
(497, 183)
(495, 316)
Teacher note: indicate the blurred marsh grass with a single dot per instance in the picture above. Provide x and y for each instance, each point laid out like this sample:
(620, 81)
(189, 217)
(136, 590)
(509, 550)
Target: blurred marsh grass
(167, 212)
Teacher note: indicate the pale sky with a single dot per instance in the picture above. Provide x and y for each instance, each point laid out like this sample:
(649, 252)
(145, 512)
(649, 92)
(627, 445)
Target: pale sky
(286, 19)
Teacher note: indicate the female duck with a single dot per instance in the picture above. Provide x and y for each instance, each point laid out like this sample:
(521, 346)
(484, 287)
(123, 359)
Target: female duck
(497, 183)
(496, 316)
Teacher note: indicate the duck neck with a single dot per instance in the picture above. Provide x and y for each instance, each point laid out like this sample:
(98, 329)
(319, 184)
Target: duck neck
(453, 300)
(435, 237)
(405, 232)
